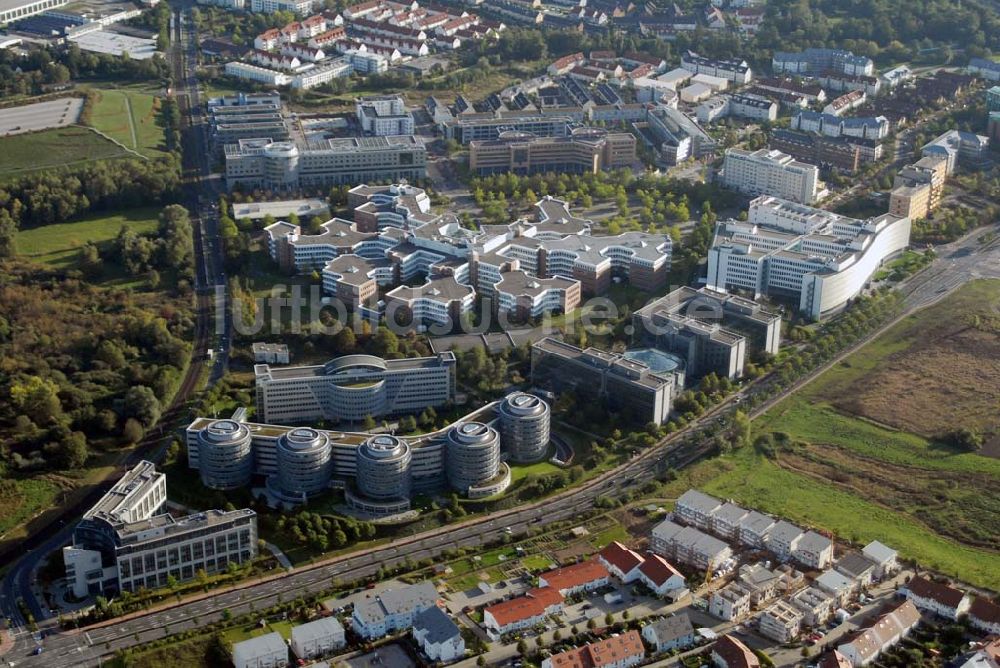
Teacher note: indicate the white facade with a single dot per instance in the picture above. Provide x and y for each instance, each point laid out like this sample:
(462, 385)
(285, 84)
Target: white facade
(267, 651)
(319, 638)
(821, 258)
(384, 116)
(770, 172)
(263, 75)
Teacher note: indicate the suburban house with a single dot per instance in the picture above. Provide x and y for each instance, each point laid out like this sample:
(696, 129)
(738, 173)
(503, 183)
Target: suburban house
(619, 651)
(880, 634)
(584, 576)
(728, 652)
(833, 659)
(813, 550)
(837, 585)
(438, 635)
(621, 562)
(659, 575)
(942, 600)
(731, 603)
(669, 633)
(858, 567)
(392, 609)
(884, 558)
(522, 612)
(984, 615)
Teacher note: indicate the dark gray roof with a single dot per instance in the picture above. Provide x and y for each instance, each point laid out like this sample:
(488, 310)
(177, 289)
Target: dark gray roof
(672, 628)
(437, 624)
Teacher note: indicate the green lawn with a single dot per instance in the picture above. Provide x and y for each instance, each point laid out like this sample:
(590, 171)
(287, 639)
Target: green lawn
(131, 117)
(536, 562)
(53, 148)
(761, 484)
(518, 473)
(615, 533)
(58, 245)
(20, 500)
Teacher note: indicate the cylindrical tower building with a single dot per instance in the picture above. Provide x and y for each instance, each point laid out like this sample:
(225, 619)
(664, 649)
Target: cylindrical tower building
(384, 468)
(524, 427)
(473, 455)
(304, 462)
(225, 455)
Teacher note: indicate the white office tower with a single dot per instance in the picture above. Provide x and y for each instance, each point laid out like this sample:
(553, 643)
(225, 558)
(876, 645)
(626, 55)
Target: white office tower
(224, 455)
(383, 468)
(771, 172)
(304, 463)
(473, 455)
(524, 424)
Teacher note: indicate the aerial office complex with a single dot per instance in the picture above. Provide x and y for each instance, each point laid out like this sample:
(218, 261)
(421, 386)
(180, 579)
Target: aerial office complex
(585, 150)
(384, 115)
(770, 172)
(285, 165)
(528, 268)
(622, 384)
(817, 258)
(354, 387)
(127, 542)
(713, 331)
(379, 472)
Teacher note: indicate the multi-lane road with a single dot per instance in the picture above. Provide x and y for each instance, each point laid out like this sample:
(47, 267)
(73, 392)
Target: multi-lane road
(956, 264)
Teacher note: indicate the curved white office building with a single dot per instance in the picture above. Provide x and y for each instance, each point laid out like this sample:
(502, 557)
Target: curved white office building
(305, 462)
(225, 455)
(524, 423)
(473, 455)
(383, 468)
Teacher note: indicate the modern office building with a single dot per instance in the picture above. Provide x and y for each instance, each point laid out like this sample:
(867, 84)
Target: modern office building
(225, 455)
(814, 61)
(521, 297)
(524, 427)
(384, 116)
(380, 472)
(383, 468)
(958, 147)
(713, 331)
(770, 172)
(19, 9)
(489, 126)
(585, 150)
(819, 259)
(305, 465)
(621, 384)
(918, 188)
(284, 165)
(126, 541)
(839, 153)
(993, 99)
(986, 68)
(354, 387)
(473, 455)
(439, 301)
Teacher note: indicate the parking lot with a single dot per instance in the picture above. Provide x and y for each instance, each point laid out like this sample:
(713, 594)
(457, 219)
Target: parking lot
(40, 116)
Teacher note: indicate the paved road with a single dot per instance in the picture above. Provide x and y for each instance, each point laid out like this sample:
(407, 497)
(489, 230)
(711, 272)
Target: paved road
(957, 263)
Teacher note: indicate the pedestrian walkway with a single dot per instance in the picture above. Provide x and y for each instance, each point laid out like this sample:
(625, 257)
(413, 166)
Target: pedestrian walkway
(279, 555)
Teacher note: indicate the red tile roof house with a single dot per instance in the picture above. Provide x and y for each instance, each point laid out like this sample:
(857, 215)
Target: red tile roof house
(584, 576)
(620, 651)
(728, 652)
(942, 600)
(522, 612)
(621, 562)
(985, 615)
(659, 575)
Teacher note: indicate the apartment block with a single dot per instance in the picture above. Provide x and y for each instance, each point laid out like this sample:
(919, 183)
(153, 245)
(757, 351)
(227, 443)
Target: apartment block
(731, 603)
(781, 622)
(736, 71)
(392, 609)
(879, 634)
(770, 172)
(814, 550)
(816, 605)
(958, 147)
(619, 651)
(696, 509)
(817, 60)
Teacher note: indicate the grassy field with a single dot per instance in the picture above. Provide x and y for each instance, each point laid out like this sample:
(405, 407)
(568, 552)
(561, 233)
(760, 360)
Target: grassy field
(20, 500)
(53, 148)
(863, 456)
(59, 245)
(131, 117)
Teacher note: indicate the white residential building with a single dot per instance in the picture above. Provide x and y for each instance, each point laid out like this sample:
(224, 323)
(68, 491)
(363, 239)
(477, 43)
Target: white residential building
(771, 172)
(884, 558)
(317, 639)
(384, 115)
(437, 635)
(814, 550)
(392, 609)
(940, 599)
(731, 603)
(266, 651)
